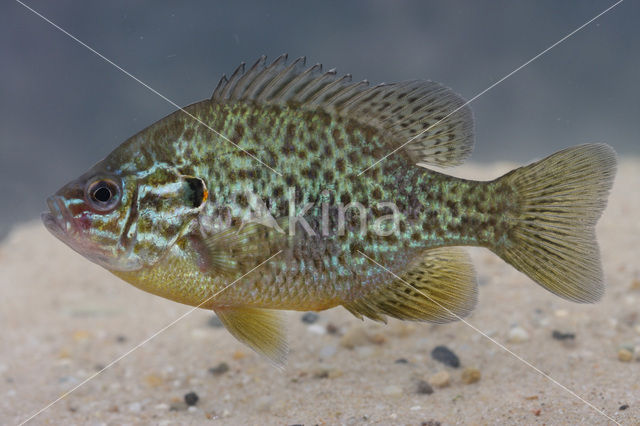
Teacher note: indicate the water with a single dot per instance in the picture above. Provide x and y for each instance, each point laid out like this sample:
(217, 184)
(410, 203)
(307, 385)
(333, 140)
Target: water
(62, 108)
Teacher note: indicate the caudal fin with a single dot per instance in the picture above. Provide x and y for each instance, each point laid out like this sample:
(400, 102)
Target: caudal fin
(552, 240)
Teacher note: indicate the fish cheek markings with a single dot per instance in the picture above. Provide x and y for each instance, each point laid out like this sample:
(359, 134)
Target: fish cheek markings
(167, 204)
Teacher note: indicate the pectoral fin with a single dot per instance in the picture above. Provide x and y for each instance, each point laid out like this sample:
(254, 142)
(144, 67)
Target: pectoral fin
(263, 330)
(236, 250)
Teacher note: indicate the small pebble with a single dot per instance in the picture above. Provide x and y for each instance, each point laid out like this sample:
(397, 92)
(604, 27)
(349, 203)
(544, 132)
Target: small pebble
(431, 423)
(445, 356)
(559, 335)
(623, 407)
(323, 373)
(219, 369)
(191, 398)
(392, 390)
(121, 338)
(332, 329)
(424, 388)
(192, 409)
(517, 335)
(470, 375)
(215, 322)
(355, 336)
(440, 380)
(238, 355)
(625, 355)
(401, 361)
(317, 329)
(377, 338)
(635, 285)
(310, 317)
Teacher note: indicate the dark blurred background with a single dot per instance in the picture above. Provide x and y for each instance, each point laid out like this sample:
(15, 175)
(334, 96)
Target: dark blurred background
(62, 108)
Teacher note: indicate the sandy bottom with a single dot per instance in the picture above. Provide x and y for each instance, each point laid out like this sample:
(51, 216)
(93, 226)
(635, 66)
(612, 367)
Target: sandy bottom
(63, 319)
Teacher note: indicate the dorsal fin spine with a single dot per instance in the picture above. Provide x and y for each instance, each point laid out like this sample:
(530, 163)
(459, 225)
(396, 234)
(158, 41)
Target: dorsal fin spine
(233, 81)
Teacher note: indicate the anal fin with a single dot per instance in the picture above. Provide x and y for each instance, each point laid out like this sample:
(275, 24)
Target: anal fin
(439, 287)
(262, 330)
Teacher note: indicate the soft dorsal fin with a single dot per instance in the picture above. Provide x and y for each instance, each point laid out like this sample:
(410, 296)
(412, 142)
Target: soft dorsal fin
(437, 120)
(439, 287)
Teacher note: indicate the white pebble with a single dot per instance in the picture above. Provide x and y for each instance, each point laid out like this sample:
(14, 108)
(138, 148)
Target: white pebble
(415, 408)
(192, 409)
(518, 335)
(161, 407)
(317, 329)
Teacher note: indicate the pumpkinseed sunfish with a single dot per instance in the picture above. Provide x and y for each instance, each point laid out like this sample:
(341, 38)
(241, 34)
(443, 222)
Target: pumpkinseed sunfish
(181, 211)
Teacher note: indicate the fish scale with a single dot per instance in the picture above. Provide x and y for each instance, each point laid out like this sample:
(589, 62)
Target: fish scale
(182, 212)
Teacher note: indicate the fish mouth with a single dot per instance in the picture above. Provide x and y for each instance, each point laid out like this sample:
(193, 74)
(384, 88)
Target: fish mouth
(58, 219)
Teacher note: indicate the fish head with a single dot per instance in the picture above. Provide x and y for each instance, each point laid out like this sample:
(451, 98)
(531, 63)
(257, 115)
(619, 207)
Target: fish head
(125, 220)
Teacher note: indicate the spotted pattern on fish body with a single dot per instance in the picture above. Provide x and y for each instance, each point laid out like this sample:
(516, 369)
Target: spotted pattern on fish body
(171, 210)
(334, 261)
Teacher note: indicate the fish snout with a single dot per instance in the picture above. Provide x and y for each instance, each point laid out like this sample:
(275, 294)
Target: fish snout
(58, 219)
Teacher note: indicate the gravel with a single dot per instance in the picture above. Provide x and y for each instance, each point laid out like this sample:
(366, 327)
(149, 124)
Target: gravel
(445, 356)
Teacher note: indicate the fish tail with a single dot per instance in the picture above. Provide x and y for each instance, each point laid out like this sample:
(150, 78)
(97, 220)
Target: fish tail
(551, 236)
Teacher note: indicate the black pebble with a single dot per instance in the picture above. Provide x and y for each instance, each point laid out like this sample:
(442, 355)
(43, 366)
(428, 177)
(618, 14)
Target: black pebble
(214, 321)
(559, 335)
(445, 356)
(430, 423)
(623, 407)
(401, 361)
(424, 388)
(121, 338)
(219, 369)
(191, 398)
(310, 318)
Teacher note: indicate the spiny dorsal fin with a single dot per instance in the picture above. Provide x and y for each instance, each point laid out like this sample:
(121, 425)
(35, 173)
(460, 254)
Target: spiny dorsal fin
(263, 330)
(442, 275)
(402, 110)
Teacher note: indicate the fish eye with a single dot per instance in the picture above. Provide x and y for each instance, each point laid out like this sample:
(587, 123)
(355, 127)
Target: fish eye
(103, 194)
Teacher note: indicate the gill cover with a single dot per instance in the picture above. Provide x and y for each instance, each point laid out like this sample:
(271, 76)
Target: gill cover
(163, 207)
